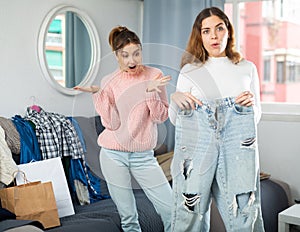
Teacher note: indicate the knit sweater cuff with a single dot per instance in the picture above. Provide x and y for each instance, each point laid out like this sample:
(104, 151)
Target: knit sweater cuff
(152, 95)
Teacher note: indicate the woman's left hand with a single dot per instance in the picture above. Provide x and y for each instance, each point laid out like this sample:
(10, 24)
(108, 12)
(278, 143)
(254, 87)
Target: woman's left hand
(245, 98)
(158, 81)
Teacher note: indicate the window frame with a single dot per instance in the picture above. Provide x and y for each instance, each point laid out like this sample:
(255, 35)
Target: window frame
(271, 111)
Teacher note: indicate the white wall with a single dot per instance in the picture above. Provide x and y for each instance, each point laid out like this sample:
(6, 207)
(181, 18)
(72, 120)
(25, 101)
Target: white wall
(279, 147)
(20, 73)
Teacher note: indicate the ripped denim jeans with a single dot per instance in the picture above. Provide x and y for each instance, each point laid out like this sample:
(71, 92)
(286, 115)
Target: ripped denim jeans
(216, 156)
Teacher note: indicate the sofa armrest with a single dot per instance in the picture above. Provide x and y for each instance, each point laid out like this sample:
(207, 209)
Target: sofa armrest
(287, 190)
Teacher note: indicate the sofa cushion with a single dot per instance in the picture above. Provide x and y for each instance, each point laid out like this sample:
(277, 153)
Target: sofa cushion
(98, 124)
(103, 216)
(10, 224)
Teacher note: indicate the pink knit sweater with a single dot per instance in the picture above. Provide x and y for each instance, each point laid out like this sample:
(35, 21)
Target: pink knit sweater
(130, 114)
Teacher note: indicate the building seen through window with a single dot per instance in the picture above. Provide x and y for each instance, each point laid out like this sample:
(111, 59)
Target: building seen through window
(268, 34)
(55, 48)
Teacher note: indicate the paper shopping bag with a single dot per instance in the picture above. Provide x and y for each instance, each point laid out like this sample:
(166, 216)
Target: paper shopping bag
(50, 170)
(32, 201)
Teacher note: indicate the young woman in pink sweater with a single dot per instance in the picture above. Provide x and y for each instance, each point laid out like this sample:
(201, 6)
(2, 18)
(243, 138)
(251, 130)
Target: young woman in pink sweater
(131, 102)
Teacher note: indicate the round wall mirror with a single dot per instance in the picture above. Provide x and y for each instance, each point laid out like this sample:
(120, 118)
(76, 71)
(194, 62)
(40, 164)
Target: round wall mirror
(68, 49)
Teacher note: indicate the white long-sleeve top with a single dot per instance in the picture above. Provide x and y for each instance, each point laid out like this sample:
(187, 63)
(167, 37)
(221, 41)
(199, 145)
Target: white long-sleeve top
(218, 78)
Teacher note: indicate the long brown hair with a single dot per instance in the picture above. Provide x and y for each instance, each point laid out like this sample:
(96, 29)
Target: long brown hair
(195, 51)
(121, 36)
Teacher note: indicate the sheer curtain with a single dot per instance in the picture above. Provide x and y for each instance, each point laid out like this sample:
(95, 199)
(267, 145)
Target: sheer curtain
(78, 50)
(166, 27)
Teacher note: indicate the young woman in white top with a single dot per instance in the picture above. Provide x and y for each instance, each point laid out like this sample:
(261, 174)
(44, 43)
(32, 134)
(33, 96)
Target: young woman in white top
(215, 110)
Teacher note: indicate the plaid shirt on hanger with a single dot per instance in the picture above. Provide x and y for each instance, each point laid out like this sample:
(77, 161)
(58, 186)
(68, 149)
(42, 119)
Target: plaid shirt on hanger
(56, 134)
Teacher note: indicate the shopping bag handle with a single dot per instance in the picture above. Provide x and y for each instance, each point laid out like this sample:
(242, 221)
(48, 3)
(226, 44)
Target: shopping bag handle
(25, 180)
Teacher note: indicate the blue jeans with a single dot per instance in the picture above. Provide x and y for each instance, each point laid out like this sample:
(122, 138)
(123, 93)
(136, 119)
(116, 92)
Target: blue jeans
(216, 156)
(117, 168)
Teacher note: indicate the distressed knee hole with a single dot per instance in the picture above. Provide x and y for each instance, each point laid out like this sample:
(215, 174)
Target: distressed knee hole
(187, 168)
(248, 143)
(243, 201)
(190, 200)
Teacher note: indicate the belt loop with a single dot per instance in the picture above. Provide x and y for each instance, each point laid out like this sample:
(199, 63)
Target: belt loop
(232, 100)
(227, 102)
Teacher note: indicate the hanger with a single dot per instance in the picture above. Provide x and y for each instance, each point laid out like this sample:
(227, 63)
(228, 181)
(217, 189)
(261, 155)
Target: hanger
(33, 105)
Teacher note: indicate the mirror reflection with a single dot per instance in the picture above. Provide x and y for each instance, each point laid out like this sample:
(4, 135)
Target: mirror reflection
(68, 49)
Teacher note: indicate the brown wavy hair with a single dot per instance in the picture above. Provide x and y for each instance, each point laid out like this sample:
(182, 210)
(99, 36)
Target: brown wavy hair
(195, 51)
(121, 36)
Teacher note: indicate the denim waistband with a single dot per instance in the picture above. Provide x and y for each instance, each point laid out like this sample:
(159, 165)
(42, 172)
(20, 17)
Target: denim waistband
(217, 103)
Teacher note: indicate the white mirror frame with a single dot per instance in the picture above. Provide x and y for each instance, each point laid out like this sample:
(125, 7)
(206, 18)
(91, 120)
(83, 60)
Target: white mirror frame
(95, 48)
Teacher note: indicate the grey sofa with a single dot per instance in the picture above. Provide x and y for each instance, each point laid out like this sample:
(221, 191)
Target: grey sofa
(103, 215)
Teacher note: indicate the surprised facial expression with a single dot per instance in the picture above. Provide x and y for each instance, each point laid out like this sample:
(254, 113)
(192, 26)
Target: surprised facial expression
(214, 35)
(130, 57)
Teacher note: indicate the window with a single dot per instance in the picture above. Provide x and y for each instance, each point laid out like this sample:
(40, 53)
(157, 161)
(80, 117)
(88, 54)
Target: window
(291, 74)
(267, 68)
(267, 33)
(280, 72)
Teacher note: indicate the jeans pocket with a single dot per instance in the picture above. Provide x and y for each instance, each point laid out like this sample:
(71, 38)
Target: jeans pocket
(239, 109)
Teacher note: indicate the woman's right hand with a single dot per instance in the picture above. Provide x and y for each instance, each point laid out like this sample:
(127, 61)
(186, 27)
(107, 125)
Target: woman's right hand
(185, 101)
(245, 99)
(89, 89)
